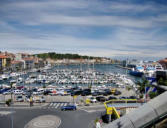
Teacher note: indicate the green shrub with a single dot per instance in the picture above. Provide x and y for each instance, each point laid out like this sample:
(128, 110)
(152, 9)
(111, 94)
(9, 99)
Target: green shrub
(96, 120)
(153, 94)
(8, 102)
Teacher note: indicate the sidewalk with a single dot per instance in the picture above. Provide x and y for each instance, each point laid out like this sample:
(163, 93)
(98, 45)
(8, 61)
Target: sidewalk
(25, 105)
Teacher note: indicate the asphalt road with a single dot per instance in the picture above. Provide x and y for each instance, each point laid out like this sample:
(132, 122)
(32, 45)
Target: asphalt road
(69, 119)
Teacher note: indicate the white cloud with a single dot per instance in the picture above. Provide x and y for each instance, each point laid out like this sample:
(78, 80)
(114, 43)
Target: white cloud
(66, 12)
(68, 44)
(129, 25)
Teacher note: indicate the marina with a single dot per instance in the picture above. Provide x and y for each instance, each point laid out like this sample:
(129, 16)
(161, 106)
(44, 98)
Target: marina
(71, 75)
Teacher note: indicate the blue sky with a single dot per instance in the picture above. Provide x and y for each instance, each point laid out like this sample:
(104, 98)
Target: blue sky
(88, 27)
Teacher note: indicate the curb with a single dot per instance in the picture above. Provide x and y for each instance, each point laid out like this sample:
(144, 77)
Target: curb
(25, 107)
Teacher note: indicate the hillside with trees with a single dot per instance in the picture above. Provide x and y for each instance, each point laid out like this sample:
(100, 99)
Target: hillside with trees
(55, 56)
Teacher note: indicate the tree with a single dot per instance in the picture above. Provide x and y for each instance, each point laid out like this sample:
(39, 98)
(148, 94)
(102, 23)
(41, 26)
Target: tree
(161, 81)
(142, 84)
(153, 94)
(165, 82)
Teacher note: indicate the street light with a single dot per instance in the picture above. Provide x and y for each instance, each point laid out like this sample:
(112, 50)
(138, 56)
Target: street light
(11, 85)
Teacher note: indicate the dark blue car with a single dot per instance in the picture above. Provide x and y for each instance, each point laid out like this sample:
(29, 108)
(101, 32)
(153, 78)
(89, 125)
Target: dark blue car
(68, 107)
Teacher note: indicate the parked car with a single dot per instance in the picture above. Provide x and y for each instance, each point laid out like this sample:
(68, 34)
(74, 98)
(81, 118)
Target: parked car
(76, 92)
(95, 93)
(46, 92)
(101, 98)
(117, 93)
(7, 92)
(68, 107)
(35, 93)
(107, 92)
(53, 93)
(67, 92)
(132, 97)
(112, 98)
(87, 90)
(61, 93)
(4, 90)
(85, 93)
(19, 99)
(17, 92)
(93, 100)
(40, 91)
(123, 97)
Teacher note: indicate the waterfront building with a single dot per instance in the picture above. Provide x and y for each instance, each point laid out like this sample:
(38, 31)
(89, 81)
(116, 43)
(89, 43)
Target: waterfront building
(4, 62)
(17, 65)
(29, 63)
(38, 63)
(163, 63)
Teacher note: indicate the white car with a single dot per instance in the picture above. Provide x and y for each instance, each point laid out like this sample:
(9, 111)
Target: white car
(60, 93)
(35, 93)
(19, 99)
(6, 92)
(17, 92)
(93, 100)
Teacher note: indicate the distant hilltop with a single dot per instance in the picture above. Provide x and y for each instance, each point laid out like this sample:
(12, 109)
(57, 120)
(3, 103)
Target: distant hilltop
(72, 58)
(56, 56)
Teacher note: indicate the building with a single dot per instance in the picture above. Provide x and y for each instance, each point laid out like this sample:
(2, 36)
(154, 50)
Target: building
(2, 61)
(163, 63)
(38, 63)
(21, 56)
(17, 65)
(29, 63)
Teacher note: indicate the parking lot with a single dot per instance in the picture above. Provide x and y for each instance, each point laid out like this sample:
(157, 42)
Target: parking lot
(78, 99)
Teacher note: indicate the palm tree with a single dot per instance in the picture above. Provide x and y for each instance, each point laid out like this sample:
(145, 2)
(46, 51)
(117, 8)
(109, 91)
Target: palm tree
(142, 84)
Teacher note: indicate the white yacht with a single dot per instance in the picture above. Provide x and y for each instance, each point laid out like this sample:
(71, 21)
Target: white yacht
(159, 67)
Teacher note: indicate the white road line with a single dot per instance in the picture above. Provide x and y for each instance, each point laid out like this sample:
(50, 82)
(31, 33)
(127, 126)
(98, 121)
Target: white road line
(57, 105)
(62, 104)
(91, 111)
(50, 104)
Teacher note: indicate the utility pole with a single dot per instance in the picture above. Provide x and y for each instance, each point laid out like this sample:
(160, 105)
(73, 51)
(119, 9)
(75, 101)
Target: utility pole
(11, 105)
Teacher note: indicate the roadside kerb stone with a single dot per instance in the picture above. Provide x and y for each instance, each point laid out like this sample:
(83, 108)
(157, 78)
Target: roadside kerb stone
(20, 106)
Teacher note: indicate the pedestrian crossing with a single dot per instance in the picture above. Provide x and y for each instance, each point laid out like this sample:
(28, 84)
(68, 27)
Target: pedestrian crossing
(57, 105)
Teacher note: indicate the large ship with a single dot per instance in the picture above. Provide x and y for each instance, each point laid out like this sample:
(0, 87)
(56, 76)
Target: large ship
(137, 71)
(150, 73)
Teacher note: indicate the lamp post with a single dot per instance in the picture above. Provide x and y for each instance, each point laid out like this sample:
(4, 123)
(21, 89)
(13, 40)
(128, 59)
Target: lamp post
(11, 85)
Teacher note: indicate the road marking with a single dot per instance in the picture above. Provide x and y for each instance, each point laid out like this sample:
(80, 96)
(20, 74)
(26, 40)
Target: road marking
(54, 104)
(50, 104)
(62, 104)
(57, 105)
(91, 111)
(4, 113)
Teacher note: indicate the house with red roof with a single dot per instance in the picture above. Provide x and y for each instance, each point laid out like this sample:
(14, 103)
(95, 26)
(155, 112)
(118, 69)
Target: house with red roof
(17, 65)
(163, 63)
